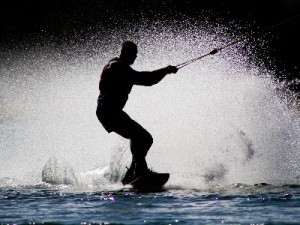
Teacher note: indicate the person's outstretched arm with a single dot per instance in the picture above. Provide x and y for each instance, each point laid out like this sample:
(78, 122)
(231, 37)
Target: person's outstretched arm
(152, 77)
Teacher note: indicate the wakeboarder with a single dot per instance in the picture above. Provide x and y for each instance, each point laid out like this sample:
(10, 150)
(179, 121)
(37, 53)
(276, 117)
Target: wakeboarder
(116, 81)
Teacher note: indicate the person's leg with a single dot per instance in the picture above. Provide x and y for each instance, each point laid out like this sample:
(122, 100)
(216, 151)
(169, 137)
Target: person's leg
(140, 142)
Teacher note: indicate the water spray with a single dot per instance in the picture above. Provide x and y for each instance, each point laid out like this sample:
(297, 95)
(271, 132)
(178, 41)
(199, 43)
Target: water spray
(226, 126)
(216, 50)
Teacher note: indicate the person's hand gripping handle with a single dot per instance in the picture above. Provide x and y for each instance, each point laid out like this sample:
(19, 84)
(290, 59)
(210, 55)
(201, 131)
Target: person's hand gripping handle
(172, 69)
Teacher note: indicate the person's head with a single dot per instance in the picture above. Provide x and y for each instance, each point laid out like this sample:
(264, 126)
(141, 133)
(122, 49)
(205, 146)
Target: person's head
(128, 52)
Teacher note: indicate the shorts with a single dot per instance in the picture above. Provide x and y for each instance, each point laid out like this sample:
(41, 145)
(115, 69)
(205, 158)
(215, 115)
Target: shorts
(121, 124)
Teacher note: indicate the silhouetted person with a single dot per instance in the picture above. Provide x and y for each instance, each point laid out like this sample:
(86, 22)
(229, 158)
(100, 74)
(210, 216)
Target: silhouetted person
(116, 82)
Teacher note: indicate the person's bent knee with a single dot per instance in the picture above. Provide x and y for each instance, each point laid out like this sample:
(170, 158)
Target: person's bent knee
(143, 141)
(149, 140)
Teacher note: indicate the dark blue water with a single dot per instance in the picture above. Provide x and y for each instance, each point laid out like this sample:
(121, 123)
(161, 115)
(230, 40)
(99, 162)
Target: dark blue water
(233, 205)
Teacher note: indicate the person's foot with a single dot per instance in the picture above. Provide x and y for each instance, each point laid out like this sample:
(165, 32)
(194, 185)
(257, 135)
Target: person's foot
(150, 172)
(135, 171)
(129, 175)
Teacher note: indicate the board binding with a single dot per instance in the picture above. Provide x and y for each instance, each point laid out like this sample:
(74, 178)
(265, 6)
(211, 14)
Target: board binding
(150, 182)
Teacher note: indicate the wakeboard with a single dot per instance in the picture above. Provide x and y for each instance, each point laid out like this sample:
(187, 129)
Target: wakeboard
(150, 182)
